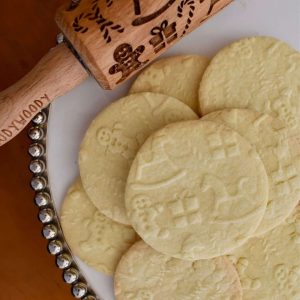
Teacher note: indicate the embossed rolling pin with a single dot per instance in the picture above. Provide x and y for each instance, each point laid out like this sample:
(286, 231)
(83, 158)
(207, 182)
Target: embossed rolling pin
(112, 40)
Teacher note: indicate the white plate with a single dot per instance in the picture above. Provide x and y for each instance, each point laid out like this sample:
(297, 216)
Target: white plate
(71, 115)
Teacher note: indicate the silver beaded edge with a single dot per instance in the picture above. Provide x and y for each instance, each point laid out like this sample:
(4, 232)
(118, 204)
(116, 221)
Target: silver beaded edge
(47, 214)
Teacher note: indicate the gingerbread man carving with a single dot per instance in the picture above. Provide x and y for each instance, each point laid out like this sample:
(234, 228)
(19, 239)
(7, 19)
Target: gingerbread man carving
(127, 60)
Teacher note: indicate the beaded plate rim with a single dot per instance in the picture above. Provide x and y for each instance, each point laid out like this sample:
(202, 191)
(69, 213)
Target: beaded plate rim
(47, 214)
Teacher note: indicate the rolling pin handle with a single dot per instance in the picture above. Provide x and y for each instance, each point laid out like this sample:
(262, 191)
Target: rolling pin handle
(54, 75)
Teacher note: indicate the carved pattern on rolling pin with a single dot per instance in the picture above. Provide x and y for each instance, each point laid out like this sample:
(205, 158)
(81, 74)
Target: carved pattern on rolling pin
(210, 10)
(105, 26)
(180, 8)
(127, 60)
(145, 19)
(163, 34)
(109, 3)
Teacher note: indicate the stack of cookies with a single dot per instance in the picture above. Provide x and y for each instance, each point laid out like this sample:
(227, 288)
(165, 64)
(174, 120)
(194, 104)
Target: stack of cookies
(189, 186)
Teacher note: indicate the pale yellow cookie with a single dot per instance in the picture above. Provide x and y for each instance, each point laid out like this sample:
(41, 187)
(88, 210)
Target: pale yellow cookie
(112, 140)
(145, 274)
(269, 136)
(196, 190)
(176, 76)
(94, 238)
(260, 73)
(269, 266)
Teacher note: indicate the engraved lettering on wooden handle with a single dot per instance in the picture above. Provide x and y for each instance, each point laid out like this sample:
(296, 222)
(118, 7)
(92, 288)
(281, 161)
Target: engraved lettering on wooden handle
(117, 38)
(54, 75)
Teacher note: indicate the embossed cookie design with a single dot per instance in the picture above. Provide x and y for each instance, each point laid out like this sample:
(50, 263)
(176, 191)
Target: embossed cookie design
(196, 190)
(162, 277)
(176, 76)
(112, 140)
(260, 73)
(270, 137)
(97, 240)
(269, 266)
(214, 200)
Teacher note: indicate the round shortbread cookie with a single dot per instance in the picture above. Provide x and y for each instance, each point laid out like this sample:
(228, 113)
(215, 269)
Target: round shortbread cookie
(196, 190)
(176, 76)
(97, 240)
(269, 266)
(269, 136)
(112, 140)
(260, 73)
(144, 273)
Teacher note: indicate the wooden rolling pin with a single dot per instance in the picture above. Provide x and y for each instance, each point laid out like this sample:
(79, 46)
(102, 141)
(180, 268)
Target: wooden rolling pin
(112, 40)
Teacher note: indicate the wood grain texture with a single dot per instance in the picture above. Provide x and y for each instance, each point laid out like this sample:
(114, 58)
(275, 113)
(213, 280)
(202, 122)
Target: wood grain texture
(118, 38)
(54, 75)
(27, 271)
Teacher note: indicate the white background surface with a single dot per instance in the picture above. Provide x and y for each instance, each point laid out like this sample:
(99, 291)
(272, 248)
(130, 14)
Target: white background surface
(71, 114)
